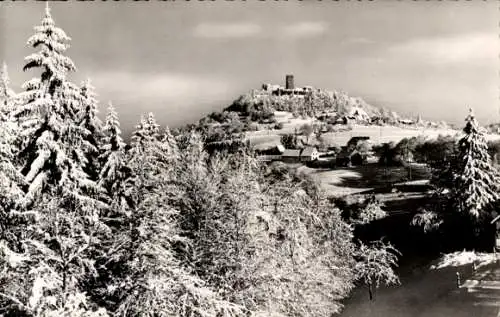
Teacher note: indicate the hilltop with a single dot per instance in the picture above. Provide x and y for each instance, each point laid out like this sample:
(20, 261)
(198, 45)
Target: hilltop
(263, 115)
(332, 106)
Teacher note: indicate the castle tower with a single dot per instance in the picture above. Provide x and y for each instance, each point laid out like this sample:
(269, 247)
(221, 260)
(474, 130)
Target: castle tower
(289, 82)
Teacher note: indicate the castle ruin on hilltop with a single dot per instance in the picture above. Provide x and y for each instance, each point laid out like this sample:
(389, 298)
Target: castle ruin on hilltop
(288, 90)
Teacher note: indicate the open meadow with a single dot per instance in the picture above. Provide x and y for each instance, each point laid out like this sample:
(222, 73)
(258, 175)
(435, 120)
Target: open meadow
(399, 189)
(378, 134)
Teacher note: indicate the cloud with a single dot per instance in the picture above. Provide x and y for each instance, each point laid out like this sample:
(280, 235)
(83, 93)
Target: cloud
(246, 29)
(305, 29)
(466, 48)
(149, 91)
(357, 40)
(227, 30)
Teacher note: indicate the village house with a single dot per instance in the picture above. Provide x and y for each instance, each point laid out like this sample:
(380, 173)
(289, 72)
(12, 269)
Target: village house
(305, 155)
(309, 154)
(406, 121)
(291, 156)
(272, 154)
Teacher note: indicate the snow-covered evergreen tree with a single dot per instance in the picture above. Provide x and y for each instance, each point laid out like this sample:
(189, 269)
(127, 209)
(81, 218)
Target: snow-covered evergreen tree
(92, 126)
(193, 157)
(477, 182)
(6, 93)
(58, 244)
(53, 151)
(146, 131)
(170, 146)
(148, 278)
(112, 153)
(11, 184)
(146, 150)
(194, 181)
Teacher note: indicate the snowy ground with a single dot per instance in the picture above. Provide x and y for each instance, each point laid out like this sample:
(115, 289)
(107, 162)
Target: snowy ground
(377, 134)
(331, 180)
(433, 292)
(346, 181)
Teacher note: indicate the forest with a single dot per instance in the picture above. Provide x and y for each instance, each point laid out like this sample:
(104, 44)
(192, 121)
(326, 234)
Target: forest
(92, 226)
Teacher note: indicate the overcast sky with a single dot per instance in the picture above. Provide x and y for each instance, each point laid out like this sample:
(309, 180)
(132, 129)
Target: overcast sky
(182, 59)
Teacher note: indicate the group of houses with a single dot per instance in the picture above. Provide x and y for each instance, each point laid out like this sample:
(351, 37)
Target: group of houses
(350, 154)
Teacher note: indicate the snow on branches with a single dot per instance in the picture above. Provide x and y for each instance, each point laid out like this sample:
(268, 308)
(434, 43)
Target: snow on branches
(476, 183)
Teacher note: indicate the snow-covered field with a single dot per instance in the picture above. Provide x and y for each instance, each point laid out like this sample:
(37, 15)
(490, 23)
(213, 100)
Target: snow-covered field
(377, 134)
(331, 180)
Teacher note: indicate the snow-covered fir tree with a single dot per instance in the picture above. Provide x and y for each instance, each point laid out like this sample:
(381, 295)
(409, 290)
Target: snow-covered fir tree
(170, 146)
(8, 131)
(146, 131)
(194, 181)
(112, 155)
(193, 155)
(92, 125)
(53, 153)
(58, 244)
(11, 184)
(145, 151)
(6, 93)
(476, 183)
(149, 279)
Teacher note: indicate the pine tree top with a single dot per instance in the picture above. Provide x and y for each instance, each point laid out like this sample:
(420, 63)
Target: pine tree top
(89, 107)
(4, 76)
(53, 42)
(5, 91)
(472, 125)
(147, 130)
(112, 121)
(112, 129)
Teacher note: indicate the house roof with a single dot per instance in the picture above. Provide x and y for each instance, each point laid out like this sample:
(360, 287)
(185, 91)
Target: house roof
(291, 153)
(308, 151)
(356, 138)
(343, 154)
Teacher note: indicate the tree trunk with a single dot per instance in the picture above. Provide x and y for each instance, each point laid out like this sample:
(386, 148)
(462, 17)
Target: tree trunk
(370, 291)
